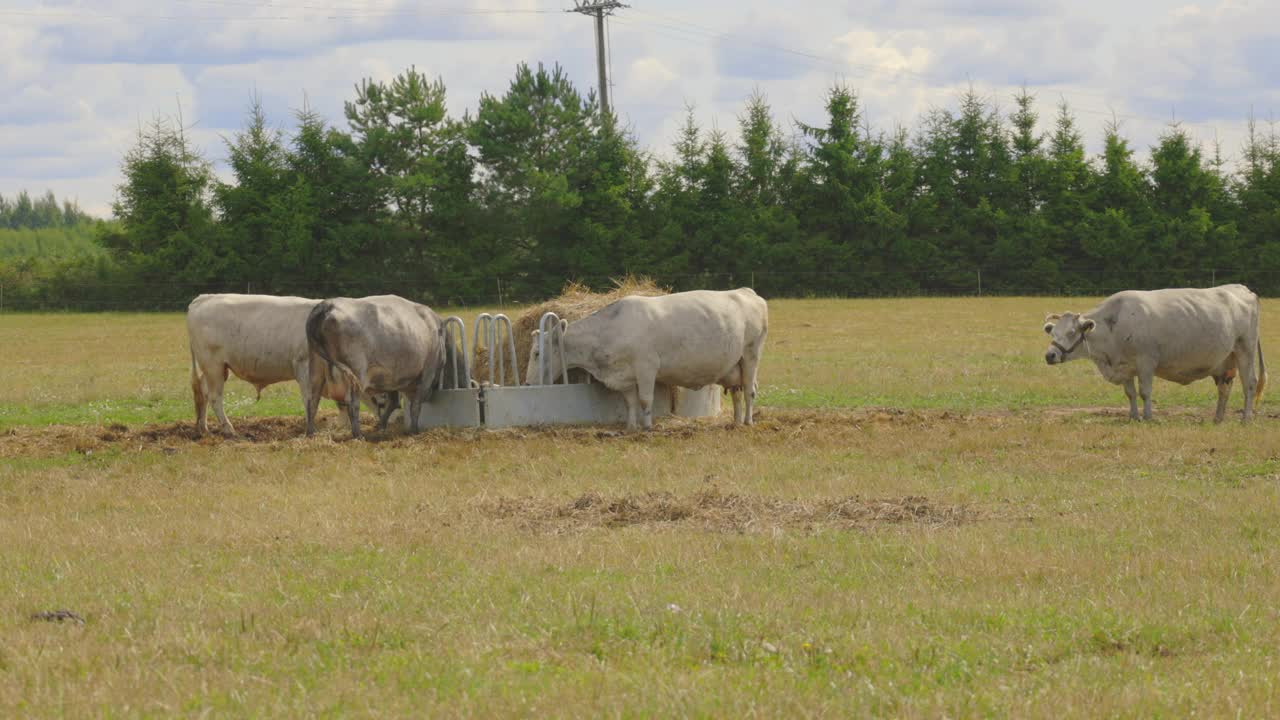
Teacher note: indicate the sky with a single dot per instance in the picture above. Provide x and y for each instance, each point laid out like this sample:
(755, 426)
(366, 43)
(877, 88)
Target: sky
(77, 78)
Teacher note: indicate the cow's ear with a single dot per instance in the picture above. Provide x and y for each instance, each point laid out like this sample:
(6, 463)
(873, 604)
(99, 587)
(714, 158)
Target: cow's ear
(1087, 324)
(1048, 328)
(564, 325)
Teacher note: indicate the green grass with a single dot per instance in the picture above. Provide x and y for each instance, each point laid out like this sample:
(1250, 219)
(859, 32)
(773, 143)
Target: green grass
(72, 241)
(1092, 567)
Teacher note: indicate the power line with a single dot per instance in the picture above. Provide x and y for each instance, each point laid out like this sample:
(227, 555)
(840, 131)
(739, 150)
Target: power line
(79, 16)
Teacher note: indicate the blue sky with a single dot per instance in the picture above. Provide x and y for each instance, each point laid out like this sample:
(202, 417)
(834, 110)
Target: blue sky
(77, 77)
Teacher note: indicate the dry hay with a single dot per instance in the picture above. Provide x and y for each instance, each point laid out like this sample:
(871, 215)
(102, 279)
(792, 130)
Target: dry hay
(724, 512)
(575, 302)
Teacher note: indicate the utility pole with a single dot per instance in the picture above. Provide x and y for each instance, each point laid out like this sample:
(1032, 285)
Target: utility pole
(599, 9)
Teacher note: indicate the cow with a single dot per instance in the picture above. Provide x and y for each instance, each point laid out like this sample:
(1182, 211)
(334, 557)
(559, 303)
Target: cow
(689, 339)
(382, 343)
(1181, 335)
(260, 339)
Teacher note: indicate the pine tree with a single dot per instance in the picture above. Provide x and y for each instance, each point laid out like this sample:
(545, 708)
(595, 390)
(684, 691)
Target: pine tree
(1258, 191)
(258, 209)
(345, 249)
(1113, 236)
(1184, 235)
(166, 225)
(1069, 184)
(765, 171)
(848, 227)
(533, 145)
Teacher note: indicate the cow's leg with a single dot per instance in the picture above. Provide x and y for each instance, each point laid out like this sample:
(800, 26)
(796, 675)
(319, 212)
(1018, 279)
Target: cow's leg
(416, 400)
(302, 375)
(217, 381)
(632, 397)
(393, 402)
(353, 410)
(1248, 371)
(750, 367)
(646, 380)
(1131, 391)
(1146, 375)
(645, 394)
(1224, 393)
(736, 393)
(315, 388)
(200, 394)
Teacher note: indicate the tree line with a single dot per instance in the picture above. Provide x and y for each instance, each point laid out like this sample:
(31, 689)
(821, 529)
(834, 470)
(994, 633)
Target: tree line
(536, 187)
(42, 212)
(39, 236)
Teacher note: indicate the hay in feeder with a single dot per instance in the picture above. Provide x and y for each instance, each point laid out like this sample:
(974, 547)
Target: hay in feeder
(575, 302)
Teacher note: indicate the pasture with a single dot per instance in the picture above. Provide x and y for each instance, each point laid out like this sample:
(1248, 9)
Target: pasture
(926, 520)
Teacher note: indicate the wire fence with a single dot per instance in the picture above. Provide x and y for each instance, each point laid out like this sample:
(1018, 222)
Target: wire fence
(504, 291)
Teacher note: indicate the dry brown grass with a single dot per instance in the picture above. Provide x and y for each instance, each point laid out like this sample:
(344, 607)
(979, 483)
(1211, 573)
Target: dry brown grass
(912, 563)
(719, 511)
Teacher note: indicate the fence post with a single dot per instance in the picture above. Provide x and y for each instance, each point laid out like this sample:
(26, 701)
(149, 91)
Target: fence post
(979, 282)
(1, 297)
(1213, 275)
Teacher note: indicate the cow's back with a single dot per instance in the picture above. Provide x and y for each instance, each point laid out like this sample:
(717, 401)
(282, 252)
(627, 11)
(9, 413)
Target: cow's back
(696, 337)
(1184, 330)
(259, 337)
(387, 340)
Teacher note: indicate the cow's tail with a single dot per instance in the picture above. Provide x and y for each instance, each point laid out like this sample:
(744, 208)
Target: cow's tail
(315, 339)
(197, 383)
(1262, 375)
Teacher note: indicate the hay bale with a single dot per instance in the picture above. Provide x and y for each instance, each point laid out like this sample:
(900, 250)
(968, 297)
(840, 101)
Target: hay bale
(575, 302)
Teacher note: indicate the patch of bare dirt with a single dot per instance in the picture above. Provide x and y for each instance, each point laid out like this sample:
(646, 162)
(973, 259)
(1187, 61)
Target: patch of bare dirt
(176, 436)
(1121, 412)
(724, 512)
(784, 423)
(167, 437)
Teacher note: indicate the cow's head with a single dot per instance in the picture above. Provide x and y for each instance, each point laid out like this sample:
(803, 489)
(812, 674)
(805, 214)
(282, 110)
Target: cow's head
(554, 367)
(1068, 332)
(531, 369)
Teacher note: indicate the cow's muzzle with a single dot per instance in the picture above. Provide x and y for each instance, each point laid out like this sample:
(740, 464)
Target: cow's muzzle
(1057, 353)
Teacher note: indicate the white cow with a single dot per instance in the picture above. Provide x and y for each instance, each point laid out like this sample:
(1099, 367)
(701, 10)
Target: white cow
(689, 339)
(262, 340)
(1181, 335)
(376, 344)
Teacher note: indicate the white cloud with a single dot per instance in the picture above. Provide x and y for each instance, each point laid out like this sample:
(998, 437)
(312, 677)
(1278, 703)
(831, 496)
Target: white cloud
(76, 84)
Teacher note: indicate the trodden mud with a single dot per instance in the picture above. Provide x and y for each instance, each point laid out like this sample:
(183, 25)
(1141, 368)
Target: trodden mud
(177, 436)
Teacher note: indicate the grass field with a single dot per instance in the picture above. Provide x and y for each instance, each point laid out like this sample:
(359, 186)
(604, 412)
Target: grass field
(927, 521)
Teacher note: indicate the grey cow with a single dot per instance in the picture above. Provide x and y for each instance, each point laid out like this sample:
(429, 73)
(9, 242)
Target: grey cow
(1181, 335)
(382, 343)
(261, 339)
